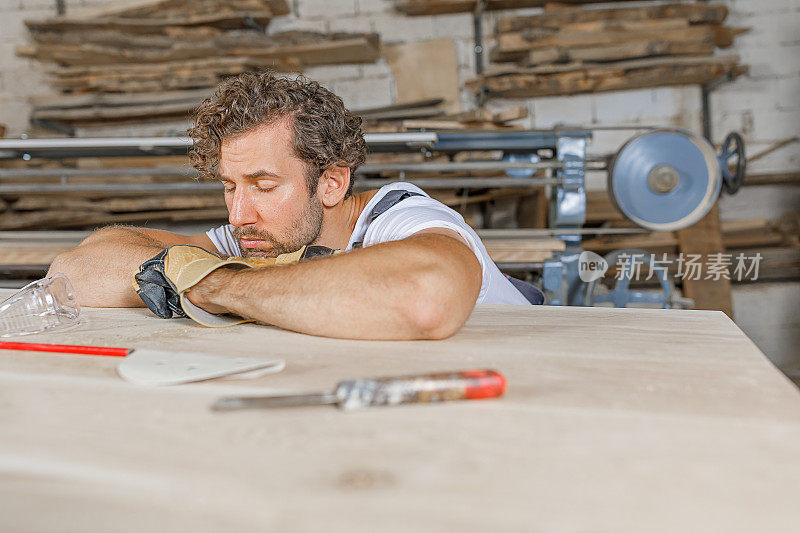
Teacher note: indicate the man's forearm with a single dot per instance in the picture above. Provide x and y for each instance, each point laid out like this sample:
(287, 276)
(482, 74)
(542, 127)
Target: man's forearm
(101, 268)
(407, 289)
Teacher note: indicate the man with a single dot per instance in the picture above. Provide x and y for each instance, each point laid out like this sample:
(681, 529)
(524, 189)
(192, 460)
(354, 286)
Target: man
(285, 151)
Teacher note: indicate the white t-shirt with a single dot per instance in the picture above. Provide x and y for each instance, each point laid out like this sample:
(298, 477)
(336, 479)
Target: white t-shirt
(402, 220)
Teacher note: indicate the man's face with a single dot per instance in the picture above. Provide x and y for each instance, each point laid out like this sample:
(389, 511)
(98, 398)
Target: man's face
(266, 192)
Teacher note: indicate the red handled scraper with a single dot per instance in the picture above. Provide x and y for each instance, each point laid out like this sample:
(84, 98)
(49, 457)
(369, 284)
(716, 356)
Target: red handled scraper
(145, 366)
(361, 393)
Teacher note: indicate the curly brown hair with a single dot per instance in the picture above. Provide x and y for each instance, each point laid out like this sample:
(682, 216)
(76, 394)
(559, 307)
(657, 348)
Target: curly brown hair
(325, 133)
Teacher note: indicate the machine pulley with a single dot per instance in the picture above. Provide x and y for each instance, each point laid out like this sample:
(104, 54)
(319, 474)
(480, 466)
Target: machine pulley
(667, 179)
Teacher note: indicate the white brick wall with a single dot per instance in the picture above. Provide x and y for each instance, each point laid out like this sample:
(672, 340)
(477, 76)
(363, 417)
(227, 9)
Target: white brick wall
(365, 92)
(291, 22)
(394, 29)
(764, 105)
(367, 7)
(768, 313)
(324, 9)
(359, 23)
(19, 78)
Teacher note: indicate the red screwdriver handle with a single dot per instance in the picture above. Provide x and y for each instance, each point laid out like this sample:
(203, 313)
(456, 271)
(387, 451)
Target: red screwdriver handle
(483, 384)
(425, 388)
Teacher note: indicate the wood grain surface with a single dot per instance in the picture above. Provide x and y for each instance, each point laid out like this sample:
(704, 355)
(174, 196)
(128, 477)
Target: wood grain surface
(615, 420)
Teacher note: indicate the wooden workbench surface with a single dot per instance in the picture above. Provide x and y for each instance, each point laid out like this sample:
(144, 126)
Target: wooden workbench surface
(614, 421)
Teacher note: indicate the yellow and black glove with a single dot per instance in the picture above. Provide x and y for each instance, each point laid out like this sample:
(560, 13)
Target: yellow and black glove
(162, 281)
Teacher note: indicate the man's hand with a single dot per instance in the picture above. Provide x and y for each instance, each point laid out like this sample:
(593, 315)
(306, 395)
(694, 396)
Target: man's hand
(162, 281)
(201, 294)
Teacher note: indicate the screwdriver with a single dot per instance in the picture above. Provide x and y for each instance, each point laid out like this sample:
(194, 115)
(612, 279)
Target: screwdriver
(361, 393)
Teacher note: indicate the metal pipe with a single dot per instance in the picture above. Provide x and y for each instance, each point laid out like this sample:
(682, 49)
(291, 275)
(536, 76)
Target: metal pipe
(115, 188)
(39, 236)
(593, 163)
(478, 48)
(477, 35)
(16, 173)
(413, 138)
(705, 110)
(203, 186)
(67, 236)
(66, 172)
(461, 183)
(149, 143)
(533, 233)
(464, 166)
(519, 267)
(144, 143)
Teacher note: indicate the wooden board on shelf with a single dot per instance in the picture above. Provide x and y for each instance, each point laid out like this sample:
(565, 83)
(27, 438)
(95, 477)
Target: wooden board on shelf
(705, 238)
(565, 49)
(513, 46)
(522, 250)
(633, 50)
(161, 17)
(694, 13)
(305, 48)
(483, 114)
(232, 20)
(440, 7)
(549, 80)
(82, 218)
(427, 69)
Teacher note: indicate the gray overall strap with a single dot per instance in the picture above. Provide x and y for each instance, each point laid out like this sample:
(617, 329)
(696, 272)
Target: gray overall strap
(389, 200)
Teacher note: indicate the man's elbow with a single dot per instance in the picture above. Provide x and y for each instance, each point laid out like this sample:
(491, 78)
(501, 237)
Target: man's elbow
(63, 262)
(70, 262)
(437, 311)
(108, 233)
(431, 323)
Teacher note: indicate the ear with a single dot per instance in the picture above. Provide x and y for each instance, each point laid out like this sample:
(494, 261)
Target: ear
(333, 185)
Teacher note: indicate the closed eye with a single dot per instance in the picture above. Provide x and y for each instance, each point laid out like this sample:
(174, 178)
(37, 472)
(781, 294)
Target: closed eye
(263, 187)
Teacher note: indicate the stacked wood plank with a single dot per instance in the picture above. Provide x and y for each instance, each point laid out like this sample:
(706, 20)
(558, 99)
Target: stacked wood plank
(164, 54)
(108, 108)
(440, 7)
(431, 115)
(87, 192)
(158, 16)
(777, 241)
(40, 206)
(115, 50)
(750, 233)
(36, 213)
(570, 50)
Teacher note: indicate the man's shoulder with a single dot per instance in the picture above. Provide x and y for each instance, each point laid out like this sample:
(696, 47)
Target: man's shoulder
(396, 210)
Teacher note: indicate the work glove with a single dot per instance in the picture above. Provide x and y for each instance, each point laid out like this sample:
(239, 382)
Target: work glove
(162, 281)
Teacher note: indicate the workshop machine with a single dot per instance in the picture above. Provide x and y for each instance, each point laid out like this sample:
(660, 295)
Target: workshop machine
(662, 179)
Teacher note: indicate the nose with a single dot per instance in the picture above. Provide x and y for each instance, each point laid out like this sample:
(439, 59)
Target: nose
(241, 210)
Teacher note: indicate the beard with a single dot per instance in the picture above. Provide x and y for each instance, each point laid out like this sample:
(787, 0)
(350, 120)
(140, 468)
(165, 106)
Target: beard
(305, 230)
